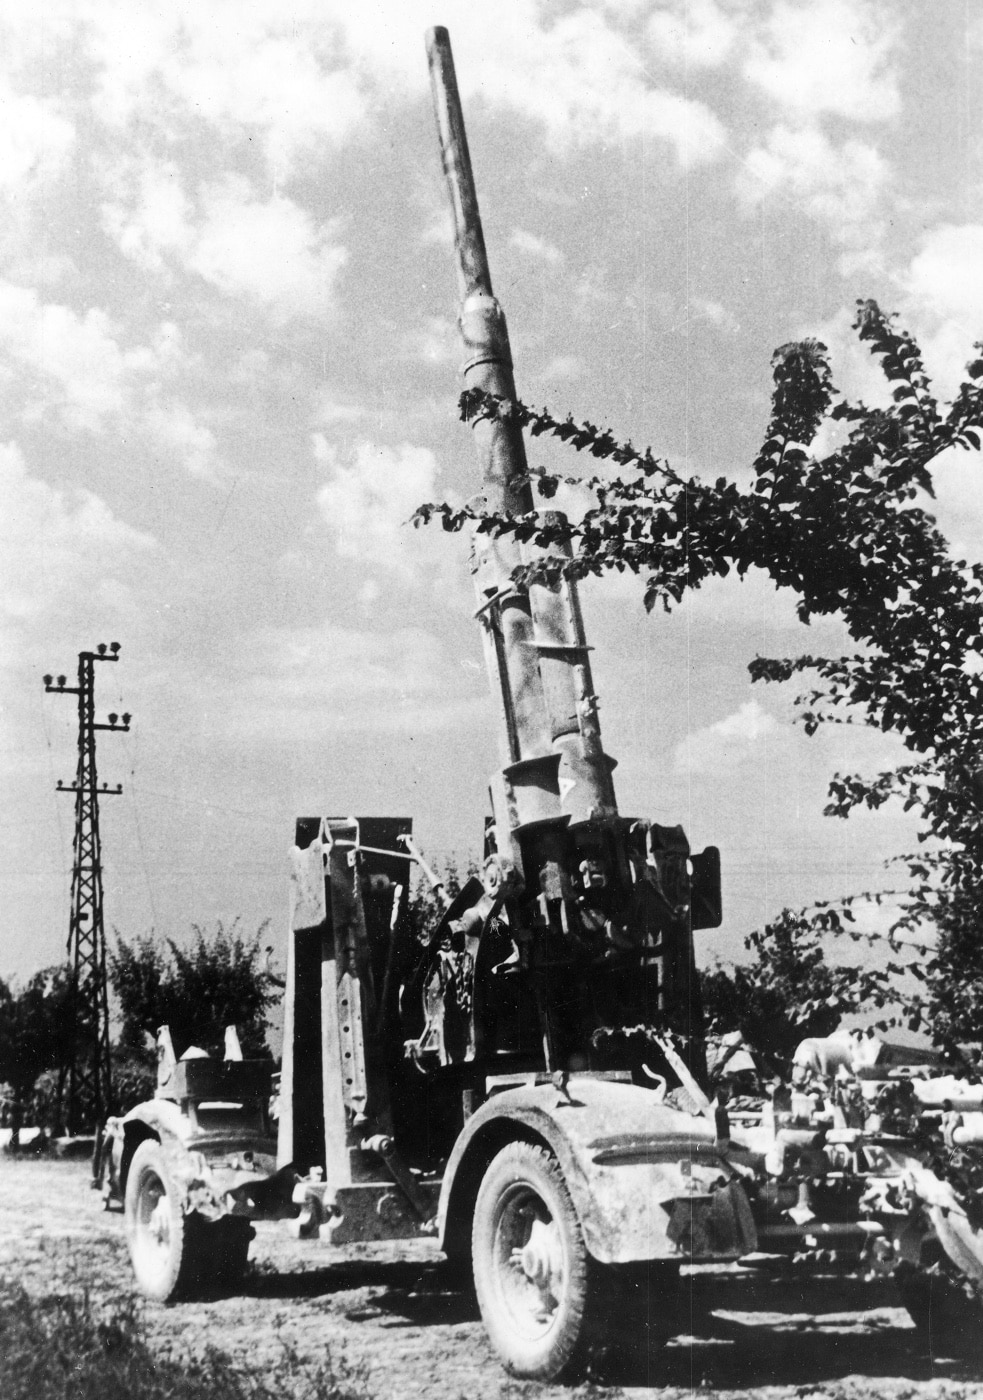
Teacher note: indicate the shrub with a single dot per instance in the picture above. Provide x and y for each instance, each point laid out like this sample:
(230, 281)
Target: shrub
(70, 1348)
(217, 981)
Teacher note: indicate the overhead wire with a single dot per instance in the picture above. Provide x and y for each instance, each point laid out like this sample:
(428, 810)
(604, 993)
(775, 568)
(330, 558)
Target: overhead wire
(131, 788)
(51, 773)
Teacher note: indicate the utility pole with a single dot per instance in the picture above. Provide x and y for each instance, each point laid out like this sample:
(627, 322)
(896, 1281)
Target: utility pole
(90, 1085)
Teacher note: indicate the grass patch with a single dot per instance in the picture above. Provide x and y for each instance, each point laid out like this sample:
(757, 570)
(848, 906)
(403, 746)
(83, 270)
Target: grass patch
(67, 1347)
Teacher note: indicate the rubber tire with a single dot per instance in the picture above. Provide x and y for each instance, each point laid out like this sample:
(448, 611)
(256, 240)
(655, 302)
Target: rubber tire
(561, 1349)
(227, 1243)
(641, 1306)
(950, 1321)
(166, 1269)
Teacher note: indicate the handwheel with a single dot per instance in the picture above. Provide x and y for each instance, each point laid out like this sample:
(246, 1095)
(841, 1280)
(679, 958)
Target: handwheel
(531, 1267)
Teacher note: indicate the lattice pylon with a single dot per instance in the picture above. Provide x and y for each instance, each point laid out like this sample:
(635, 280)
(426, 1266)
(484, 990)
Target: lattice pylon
(88, 1074)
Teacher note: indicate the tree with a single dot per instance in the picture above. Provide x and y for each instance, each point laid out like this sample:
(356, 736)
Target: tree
(37, 1033)
(425, 908)
(788, 991)
(850, 534)
(217, 981)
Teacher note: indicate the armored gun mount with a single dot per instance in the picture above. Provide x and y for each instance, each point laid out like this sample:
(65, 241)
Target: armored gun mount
(598, 909)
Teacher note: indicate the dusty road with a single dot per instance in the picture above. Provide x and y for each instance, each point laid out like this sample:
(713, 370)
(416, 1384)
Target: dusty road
(751, 1337)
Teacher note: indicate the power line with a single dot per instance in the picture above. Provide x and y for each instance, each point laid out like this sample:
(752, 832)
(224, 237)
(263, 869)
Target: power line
(136, 825)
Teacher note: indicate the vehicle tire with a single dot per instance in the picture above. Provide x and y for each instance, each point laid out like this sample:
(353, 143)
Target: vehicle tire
(642, 1305)
(532, 1272)
(228, 1251)
(166, 1246)
(948, 1314)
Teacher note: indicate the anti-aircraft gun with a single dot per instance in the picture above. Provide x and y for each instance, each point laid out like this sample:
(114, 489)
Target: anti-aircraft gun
(596, 910)
(527, 1083)
(507, 1085)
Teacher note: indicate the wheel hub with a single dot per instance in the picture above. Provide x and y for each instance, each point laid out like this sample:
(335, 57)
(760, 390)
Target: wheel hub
(534, 1278)
(158, 1225)
(540, 1258)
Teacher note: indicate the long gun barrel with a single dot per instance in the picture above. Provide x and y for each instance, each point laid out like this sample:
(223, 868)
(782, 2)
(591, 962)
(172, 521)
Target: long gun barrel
(583, 888)
(555, 768)
(472, 259)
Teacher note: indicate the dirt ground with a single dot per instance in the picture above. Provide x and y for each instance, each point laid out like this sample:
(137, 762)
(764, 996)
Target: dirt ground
(751, 1336)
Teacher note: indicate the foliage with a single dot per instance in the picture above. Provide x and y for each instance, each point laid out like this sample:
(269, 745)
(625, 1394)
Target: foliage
(134, 1078)
(45, 1105)
(788, 991)
(53, 1348)
(426, 909)
(849, 533)
(217, 981)
(37, 1033)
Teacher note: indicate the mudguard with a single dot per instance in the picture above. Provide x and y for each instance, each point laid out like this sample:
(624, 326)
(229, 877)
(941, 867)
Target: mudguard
(647, 1181)
(217, 1173)
(163, 1117)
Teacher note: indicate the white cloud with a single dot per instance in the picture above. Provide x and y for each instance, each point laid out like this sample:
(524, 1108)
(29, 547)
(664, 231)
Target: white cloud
(150, 214)
(74, 363)
(943, 306)
(331, 410)
(931, 311)
(578, 75)
(585, 82)
(726, 744)
(35, 141)
(437, 342)
(329, 678)
(958, 504)
(173, 425)
(944, 296)
(301, 76)
(54, 545)
(368, 593)
(856, 372)
(704, 309)
(823, 61)
(839, 185)
(70, 366)
(269, 251)
(946, 277)
(693, 33)
(368, 503)
(526, 242)
(829, 56)
(439, 230)
(308, 664)
(279, 74)
(562, 367)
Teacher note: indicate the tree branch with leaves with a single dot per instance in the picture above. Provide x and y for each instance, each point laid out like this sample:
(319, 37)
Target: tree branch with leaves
(850, 532)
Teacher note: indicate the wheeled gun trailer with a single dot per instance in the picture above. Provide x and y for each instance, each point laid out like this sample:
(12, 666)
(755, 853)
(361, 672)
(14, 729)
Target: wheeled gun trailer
(526, 1084)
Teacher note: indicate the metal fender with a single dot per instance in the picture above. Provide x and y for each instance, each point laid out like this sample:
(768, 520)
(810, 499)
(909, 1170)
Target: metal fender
(207, 1172)
(235, 1136)
(162, 1116)
(647, 1181)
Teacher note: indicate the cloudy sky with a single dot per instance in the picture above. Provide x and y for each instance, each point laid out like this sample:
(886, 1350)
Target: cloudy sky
(228, 373)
